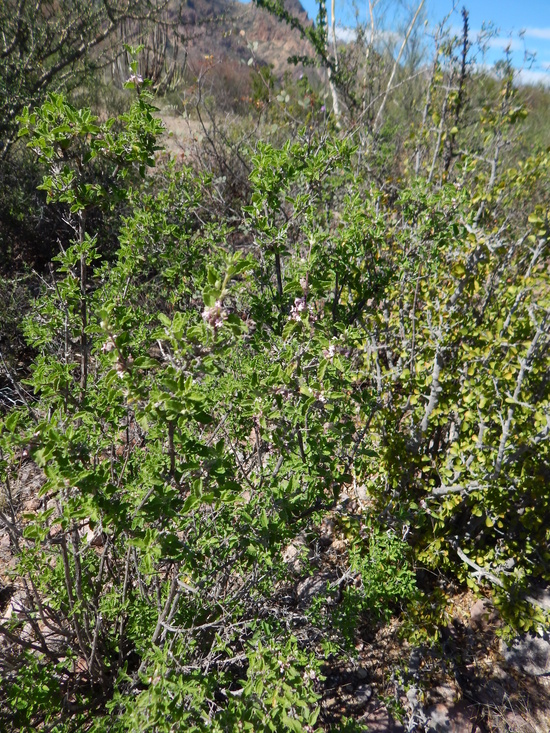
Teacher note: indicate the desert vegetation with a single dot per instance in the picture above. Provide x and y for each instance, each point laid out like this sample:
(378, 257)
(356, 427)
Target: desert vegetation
(269, 394)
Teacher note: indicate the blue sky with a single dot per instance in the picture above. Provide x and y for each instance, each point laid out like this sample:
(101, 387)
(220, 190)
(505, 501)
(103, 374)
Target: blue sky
(510, 17)
(530, 18)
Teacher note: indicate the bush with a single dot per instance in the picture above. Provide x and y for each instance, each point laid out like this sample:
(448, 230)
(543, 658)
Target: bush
(371, 363)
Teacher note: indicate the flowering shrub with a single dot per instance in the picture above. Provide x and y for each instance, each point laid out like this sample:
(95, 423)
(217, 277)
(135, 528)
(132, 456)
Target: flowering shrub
(370, 364)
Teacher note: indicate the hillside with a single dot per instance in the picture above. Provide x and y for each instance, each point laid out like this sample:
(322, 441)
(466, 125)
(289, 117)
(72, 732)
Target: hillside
(227, 30)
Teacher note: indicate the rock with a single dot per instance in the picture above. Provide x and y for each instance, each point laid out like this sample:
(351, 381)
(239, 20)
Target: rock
(294, 557)
(80, 666)
(295, 553)
(338, 546)
(379, 720)
(93, 537)
(482, 614)
(16, 607)
(362, 695)
(447, 693)
(417, 716)
(528, 654)
(542, 597)
(308, 588)
(327, 532)
(457, 718)
(290, 553)
(32, 505)
(517, 723)
(491, 693)
(361, 494)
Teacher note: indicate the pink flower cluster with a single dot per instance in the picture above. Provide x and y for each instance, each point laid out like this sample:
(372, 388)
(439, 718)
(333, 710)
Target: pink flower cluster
(330, 353)
(214, 315)
(121, 365)
(300, 306)
(109, 345)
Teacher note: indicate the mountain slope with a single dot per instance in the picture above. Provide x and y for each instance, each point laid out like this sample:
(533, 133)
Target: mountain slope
(231, 31)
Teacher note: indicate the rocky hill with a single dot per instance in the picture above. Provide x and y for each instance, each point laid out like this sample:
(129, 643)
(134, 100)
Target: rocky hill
(228, 31)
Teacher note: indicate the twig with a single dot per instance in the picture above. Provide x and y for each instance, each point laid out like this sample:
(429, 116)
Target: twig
(481, 572)
(396, 64)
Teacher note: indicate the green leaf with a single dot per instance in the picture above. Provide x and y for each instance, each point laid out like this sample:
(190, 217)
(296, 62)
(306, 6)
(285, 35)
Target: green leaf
(145, 362)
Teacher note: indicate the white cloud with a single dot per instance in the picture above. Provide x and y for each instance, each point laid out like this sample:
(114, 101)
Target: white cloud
(385, 37)
(389, 37)
(505, 43)
(346, 35)
(530, 76)
(521, 76)
(543, 33)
